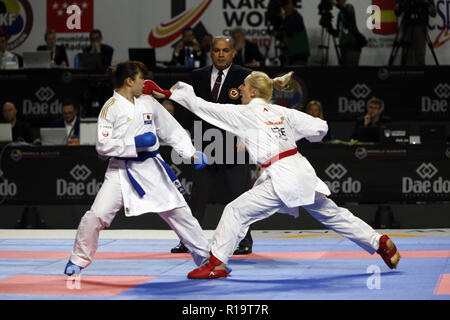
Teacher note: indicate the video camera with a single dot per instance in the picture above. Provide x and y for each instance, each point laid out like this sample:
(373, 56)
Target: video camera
(414, 10)
(325, 7)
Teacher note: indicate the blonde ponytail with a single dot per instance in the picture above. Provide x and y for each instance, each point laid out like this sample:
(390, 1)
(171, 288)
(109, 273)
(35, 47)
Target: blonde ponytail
(261, 81)
(280, 83)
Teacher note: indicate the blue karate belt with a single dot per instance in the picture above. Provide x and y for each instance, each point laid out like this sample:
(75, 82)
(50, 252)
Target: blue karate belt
(142, 156)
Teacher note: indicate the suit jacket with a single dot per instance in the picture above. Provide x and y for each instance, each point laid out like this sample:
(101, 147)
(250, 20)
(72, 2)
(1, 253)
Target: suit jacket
(201, 82)
(371, 133)
(251, 52)
(106, 52)
(60, 54)
(59, 123)
(22, 131)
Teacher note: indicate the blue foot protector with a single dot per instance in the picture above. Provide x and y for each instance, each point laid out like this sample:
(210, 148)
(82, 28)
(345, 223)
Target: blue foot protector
(228, 269)
(72, 268)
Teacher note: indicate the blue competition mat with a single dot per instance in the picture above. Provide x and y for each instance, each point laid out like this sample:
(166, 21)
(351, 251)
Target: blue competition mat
(32, 269)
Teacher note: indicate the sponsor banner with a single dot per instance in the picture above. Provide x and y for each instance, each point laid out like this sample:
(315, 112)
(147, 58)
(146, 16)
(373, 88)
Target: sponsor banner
(382, 173)
(373, 174)
(38, 96)
(417, 94)
(158, 24)
(66, 175)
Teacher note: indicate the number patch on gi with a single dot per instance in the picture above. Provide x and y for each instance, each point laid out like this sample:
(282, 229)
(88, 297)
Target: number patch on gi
(148, 118)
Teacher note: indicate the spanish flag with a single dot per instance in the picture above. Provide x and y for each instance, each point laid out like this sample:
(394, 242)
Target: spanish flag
(388, 18)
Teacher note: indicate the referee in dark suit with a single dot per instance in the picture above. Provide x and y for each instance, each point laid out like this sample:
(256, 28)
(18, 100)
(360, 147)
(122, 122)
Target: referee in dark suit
(219, 83)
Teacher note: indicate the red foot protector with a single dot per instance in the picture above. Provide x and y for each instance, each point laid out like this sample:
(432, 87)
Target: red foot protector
(149, 86)
(206, 271)
(387, 254)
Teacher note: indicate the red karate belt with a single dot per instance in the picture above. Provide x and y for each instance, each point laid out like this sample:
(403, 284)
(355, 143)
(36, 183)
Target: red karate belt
(279, 156)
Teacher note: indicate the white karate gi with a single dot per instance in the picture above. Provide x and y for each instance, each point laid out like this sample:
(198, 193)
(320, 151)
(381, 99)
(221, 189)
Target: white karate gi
(118, 123)
(267, 130)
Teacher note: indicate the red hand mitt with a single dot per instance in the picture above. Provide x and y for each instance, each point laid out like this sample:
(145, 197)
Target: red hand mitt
(149, 86)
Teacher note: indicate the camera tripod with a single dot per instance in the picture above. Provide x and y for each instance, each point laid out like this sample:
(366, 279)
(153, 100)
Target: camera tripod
(406, 43)
(277, 38)
(324, 47)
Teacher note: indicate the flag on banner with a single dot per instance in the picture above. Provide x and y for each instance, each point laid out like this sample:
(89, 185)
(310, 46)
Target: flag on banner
(57, 15)
(387, 16)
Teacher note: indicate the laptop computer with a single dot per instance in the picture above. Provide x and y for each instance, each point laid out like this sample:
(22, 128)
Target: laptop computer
(90, 60)
(432, 134)
(5, 132)
(145, 55)
(37, 59)
(395, 133)
(53, 136)
(368, 134)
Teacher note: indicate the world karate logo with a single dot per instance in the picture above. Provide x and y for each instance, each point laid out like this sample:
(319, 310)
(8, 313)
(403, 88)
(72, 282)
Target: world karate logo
(234, 94)
(16, 20)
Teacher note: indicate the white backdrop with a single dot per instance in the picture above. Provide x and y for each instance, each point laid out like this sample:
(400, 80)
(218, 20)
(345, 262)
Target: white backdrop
(128, 24)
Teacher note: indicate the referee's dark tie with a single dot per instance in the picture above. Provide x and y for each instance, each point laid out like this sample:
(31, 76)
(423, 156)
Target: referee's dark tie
(215, 92)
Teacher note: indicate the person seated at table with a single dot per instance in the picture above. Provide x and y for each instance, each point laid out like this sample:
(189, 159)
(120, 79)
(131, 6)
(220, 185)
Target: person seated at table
(70, 120)
(58, 53)
(367, 127)
(187, 47)
(7, 59)
(206, 46)
(96, 38)
(21, 130)
(314, 108)
(247, 53)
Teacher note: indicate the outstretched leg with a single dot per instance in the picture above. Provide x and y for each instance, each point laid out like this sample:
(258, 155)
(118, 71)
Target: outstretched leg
(343, 222)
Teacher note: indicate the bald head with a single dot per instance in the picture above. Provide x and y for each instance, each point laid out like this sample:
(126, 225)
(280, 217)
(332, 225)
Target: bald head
(9, 111)
(226, 39)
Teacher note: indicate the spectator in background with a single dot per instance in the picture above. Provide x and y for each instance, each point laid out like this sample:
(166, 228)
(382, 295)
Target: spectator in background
(206, 45)
(247, 53)
(21, 130)
(314, 108)
(96, 38)
(368, 127)
(70, 120)
(57, 53)
(187, 52)
(7, 59)
(297, 44)
(349, 36)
